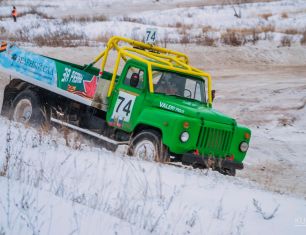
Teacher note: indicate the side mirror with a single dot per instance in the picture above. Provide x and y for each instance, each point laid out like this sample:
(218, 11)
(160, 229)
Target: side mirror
(213, 94)
(134, 80)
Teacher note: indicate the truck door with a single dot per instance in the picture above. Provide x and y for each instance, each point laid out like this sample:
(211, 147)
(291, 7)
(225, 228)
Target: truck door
(127, 97)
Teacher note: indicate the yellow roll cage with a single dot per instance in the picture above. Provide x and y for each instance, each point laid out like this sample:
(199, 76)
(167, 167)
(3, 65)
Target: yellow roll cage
(151, 56)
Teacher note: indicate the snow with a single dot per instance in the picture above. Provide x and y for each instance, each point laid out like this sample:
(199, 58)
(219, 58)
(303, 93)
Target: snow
(52, 188)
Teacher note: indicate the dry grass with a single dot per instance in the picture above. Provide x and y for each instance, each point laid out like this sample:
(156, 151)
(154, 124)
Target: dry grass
(34, 11)
(206, 29)
(84, 19)
(133, 20)
(284, 15)
(61, 39)
(291, 31)
(239, 37)
(185, 36)
(103, 38)
(254, 36)
(180, 26)
(206, 41)
(3, 17)
(266, 29)
(265, 15)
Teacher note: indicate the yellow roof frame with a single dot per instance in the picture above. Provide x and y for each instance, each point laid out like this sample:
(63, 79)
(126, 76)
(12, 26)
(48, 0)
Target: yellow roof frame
(152, 56)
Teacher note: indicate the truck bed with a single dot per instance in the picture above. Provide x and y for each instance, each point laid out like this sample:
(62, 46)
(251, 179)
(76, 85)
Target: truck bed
(77, 82)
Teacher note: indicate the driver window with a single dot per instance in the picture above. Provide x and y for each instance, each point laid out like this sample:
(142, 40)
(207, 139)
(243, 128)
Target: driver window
(198, 93)
(134, 78)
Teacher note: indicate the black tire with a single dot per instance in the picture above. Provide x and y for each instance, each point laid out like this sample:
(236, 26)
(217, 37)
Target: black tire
(27, 109)
(147, 141)
(228, 171)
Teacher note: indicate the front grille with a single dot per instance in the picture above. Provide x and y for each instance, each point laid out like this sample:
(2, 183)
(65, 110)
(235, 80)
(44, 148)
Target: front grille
(214, 141)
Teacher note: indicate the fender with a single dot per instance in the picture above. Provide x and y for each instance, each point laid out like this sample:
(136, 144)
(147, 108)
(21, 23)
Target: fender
(171, 125)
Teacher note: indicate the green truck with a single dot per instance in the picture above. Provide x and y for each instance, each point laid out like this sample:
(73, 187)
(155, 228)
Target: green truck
(154, 101)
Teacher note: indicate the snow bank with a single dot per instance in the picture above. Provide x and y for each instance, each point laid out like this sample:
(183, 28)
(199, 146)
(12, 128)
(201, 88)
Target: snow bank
(52, 188)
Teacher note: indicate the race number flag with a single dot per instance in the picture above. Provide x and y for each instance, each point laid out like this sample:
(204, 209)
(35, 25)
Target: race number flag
(151, 35)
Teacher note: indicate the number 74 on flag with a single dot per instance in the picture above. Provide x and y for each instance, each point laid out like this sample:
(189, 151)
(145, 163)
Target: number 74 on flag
(151, 35)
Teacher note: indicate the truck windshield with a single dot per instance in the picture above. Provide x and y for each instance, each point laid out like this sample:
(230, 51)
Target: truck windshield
(179, 85)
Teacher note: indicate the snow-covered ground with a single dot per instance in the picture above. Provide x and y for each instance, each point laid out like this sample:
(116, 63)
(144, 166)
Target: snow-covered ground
(259, 21)
(48, 187)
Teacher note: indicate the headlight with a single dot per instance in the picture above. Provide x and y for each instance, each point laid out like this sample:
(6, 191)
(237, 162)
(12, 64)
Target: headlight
(184, 136)
(244, 146)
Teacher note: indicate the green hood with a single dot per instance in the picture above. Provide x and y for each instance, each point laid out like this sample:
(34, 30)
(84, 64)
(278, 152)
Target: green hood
(189, 108)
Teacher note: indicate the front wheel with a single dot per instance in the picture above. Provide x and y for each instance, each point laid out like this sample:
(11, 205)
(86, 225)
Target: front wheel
(147, 145)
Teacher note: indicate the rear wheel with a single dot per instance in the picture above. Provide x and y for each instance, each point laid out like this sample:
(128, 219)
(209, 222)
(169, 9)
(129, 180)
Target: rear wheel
(26, 108)
(147, 145)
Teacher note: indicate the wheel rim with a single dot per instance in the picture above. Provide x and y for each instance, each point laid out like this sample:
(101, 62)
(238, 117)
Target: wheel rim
(146, 150)
(23, 111)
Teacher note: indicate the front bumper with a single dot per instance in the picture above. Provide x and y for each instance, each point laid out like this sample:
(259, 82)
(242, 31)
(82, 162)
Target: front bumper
(211, 162)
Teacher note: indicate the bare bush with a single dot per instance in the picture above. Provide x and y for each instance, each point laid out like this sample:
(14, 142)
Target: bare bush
(291, 31)
(233, 38)
(185, 39)
(303, 39)
(265, 16)
(286, 41)
(178, 25)
(284, 15)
